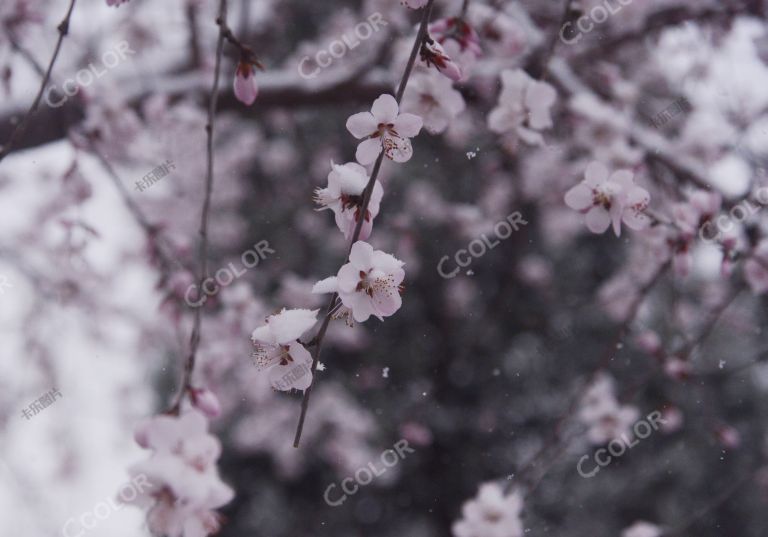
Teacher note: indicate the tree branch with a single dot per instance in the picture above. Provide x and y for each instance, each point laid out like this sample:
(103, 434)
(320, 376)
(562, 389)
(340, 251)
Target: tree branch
(422, 32)
(63, 28)
(194, 339)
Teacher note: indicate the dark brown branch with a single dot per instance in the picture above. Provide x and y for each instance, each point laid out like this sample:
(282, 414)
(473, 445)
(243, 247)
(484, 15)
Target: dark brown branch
(318, 340)
(194, 340)
(63, 29)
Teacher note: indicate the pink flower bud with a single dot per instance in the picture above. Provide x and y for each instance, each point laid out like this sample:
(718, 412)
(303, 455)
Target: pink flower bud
(677, 369)
(246, 88)
(432, 53)
(205, 401)
(649, 341)
(728, 436)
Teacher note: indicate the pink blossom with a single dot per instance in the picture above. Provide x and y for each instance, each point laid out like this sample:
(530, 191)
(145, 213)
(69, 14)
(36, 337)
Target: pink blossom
(344, 196)
(287, 362)
(649, 341)
(677, 369)
(433, 53)
(609, 199)
(433, 98)
(246, 88)
(524, 107)
(728, 436)
(180, 482)
(491, 514)
(605, 418)
(384, 129)
(370, 284)
(642, 529)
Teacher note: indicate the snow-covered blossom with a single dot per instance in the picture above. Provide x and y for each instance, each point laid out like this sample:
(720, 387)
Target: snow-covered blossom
(384, 129)
(433, 98)
(756, 269)
(344, 196)
(277, 350)
(524, 107)
(414, 4)
(433, 53)
(491, 514)
(182, 487)
(370, 284)
(609, 198)
(246, 88)
(602, 414)
(642, 529)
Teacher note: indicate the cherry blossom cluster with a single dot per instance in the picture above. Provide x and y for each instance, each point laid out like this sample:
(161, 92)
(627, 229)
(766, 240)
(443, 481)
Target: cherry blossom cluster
(185, 487)
(605, 418)
(371, 282)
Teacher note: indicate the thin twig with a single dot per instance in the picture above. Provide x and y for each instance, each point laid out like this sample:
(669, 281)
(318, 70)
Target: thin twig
(63, 29)
(194, 339)
(716, 502)
(609, 354)
(553, 42)
(318, 340)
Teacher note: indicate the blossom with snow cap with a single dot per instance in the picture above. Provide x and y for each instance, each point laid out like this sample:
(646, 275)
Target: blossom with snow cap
(370, 284)
(278, 351)
(524, 107)
(609, 199)
(491, 514)
(433, 53)
(384, 129)
(344, 196)
(183, 487)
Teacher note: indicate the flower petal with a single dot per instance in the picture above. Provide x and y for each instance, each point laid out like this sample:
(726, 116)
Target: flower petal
(368, 151)
(598, 220)
(385, 109)
(408, 125)
(362, 124)
(579, 197)
(360, 255)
